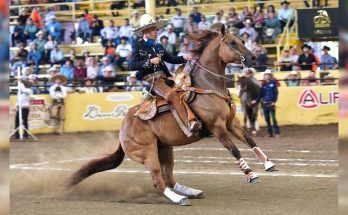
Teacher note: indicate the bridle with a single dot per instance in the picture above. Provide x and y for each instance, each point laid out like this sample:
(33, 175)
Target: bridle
(241, 56)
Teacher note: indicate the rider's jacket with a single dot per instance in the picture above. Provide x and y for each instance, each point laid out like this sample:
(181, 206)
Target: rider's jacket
(143, 51)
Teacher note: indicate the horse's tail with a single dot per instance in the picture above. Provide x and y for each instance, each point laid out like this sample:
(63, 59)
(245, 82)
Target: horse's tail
(98, 165)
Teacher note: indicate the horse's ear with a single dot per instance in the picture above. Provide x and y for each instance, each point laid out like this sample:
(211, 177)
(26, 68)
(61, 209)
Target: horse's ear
(223, 30)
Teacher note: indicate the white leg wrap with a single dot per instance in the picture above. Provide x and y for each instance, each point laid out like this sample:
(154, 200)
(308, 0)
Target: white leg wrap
(173, 196)
(260, 155)
(248, 125)
(243, 165)
(187, 191)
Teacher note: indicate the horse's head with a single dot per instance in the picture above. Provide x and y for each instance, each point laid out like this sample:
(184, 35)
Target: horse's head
(232, 49)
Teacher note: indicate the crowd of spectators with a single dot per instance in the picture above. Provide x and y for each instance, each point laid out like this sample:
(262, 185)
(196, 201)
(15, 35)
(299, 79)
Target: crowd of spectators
(43, 33)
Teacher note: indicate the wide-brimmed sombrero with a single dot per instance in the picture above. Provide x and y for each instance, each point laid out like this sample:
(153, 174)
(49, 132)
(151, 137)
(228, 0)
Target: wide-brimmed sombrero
(146, 21)
(62, 78)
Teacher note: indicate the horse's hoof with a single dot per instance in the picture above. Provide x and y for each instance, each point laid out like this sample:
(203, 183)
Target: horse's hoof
(197, 196)
(184, 202)
(269, 166)
(252, 178)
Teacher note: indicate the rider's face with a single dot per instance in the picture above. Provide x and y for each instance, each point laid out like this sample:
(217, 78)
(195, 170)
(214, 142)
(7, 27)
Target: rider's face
(151, 33)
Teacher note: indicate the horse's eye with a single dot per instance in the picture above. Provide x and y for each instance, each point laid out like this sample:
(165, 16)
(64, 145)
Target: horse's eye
(232, 43)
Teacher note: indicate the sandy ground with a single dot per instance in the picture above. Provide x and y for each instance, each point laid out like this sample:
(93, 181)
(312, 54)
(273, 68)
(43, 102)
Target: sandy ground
(305, 183)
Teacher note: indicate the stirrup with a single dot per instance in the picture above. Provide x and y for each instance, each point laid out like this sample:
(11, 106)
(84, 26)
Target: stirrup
(194, 125)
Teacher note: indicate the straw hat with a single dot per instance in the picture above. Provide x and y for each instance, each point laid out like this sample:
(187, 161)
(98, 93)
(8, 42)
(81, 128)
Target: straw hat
(62, 78)
(39, 33)
(52, 69)
(132, 75)
(267, 71)
(146, 22)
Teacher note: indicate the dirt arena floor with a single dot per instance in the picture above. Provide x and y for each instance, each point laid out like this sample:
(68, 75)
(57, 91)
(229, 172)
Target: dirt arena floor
(306, 181)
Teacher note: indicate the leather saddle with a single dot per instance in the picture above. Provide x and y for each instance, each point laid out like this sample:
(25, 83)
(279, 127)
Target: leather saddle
(156, 105)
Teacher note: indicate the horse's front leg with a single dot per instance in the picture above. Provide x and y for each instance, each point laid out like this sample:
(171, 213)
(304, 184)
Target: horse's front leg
(226, 140)
(166, 157)
(234, 126)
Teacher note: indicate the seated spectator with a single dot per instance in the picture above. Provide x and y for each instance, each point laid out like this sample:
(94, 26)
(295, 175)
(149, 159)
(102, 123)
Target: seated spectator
(92, 68)
(68, 70)
(196, 15)
(97, 26)
(57, 56)
(73, 57)
(105, 64)
(327, 61)
(219, 18)
(18, 34)
(88, 17)
(306, 60)
(30, 30)
(84, 29)
(184, 50)
(49, 46)
(133, 84)
(285, 14)
(34, 84)
(125, 30)
(186, 41)
(178, 21)
(110, 50)
(204, 24)
(248, 43)
(22, 53)
(85, 55)
(258, 14)
(40, 41)
(246, 13)
(34, 58)
(259, 27)
(89, 86)
(311, 80)
(135, 20)
(23, 16)
(273, 26)
(293, 79)
(270, 9)
(168, 47)
(190, 25)
(138, 3)
(294, 57)
(117, 5)
(123, 53)
(261, 62)
(169, 32)
(54, 28)
(50, 12)
(35, 16)
(109, 72)
(109, 33)
(286, 62)
(315, 66)
(249, 29)
(80, 70)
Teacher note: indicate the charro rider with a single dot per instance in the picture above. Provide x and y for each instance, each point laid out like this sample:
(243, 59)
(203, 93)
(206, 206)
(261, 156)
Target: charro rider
(148, 59)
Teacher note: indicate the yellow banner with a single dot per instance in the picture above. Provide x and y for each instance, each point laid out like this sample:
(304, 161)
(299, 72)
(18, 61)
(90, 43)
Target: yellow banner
(303, 105)
(105, 111)
(98, 112)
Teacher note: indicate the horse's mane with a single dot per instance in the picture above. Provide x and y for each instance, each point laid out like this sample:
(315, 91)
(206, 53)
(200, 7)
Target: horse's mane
(200, 40)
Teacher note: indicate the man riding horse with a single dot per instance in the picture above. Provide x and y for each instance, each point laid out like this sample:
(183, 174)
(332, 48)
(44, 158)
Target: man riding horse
(148, 59)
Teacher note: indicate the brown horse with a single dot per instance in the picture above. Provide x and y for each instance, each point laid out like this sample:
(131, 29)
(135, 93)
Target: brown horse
(151, 142)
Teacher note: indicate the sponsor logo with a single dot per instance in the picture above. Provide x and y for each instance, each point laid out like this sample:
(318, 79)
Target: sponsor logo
(309, 99)
(94, 112)
(119, 97)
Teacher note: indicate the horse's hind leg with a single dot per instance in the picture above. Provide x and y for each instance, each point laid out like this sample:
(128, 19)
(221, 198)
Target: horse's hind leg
(153, 164)
(166, 157)
(236, 129)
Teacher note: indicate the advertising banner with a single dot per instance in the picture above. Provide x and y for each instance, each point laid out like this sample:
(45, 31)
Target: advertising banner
(105, 111)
